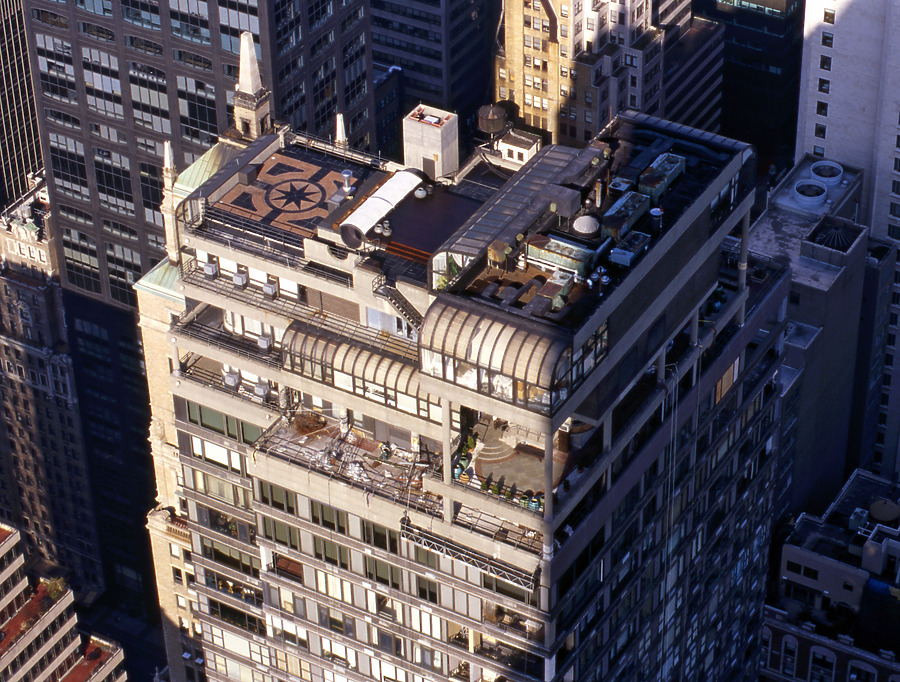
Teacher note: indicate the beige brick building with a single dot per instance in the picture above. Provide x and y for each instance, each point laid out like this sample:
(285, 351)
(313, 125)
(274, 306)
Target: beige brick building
(570, 67)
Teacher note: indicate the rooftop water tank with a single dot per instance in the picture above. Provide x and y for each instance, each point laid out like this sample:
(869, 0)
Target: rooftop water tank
(491, 119)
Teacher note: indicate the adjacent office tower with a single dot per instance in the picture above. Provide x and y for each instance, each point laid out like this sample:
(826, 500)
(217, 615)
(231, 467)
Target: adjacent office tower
(444, 50)
(762, 71)
(570, 68)
(408, 430)
(38, 640)
(113, 80)
(849, 113)
(44, 477)
(20, 148)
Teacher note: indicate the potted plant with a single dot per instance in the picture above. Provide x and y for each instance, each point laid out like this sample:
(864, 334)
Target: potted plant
(495, 488)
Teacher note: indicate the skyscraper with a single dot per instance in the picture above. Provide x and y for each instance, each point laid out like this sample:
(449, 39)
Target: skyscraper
(444, 50)
(848, 112)
(406, 429)
(113, 81)
(763, 45)
(570, 69)
(833, 612)
(20, 149)
(45, 478)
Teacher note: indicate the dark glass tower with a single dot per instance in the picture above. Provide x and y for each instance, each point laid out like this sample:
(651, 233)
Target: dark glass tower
(20, 151)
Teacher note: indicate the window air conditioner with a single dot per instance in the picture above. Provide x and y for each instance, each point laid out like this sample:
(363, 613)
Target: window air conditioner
(211, 269)
(240, 279)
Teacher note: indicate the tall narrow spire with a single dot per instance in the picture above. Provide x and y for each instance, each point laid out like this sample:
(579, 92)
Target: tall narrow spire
(168, 202)
(340, 133)
(168, 156)
(249, 81)
(252, 109)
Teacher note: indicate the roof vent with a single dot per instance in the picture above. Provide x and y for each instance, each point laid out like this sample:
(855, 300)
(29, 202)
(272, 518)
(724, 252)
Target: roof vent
(857, 519)
(586, 225)
(420, 193)
(347, 177)
(810, 193)
(828, 173)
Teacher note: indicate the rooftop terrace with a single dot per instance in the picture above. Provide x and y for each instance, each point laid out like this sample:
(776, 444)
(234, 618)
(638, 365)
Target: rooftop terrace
(96, 653)
(44, 596)
(568, 229)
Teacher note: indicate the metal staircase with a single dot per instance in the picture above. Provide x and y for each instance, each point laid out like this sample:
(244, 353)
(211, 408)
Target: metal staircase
(387, 290)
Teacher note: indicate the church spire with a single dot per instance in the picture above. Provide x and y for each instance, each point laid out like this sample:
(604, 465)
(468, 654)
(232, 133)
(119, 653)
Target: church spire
(252, 108)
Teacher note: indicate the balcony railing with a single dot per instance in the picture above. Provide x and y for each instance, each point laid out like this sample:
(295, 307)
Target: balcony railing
(218, 337)
(350, 457)
(294, 310)
(194, 371)
(178, 528)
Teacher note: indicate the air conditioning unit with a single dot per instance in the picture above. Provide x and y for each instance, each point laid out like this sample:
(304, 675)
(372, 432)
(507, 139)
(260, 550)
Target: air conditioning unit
(261, 390)
(264, 342)
(240, 279)
(232, 379)
(270, 289)
(211, 269)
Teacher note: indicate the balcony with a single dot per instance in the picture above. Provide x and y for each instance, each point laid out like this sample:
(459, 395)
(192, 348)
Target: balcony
(511, 658)
(206, 328)
(511, 622)
(327, 446)
(500, 530)
(97, 657)
(178, 529)
(287, 568)
(208, 373)
(42, 601)
(234, 589)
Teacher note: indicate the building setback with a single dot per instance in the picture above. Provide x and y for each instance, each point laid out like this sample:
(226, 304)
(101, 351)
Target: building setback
(807, 223)
(569, 69)
(835, 614)
(45, 485)
(415, 429)
(848, 113)
(20, 148)
(38, 640)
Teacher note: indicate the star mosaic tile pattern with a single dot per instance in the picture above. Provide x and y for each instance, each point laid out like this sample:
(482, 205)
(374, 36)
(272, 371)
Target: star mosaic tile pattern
(289, 193)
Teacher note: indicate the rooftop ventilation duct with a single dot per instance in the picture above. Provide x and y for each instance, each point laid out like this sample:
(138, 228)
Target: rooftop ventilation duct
(373, 209)
(828, 173)
(810, 193)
